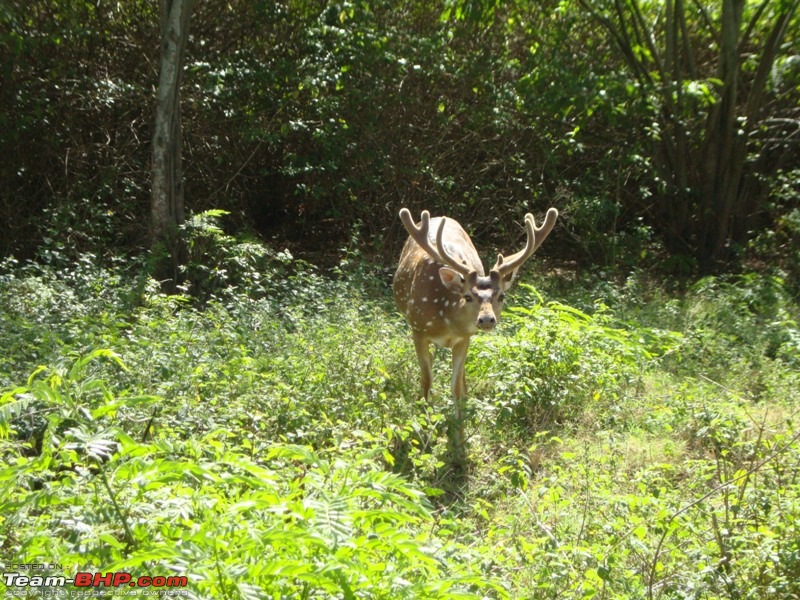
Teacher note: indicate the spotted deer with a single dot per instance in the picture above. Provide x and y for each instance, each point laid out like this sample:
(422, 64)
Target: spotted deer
(441, 289)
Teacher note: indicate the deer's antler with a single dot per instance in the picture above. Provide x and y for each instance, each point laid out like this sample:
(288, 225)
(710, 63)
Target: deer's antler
(419, 233)
(536, 235)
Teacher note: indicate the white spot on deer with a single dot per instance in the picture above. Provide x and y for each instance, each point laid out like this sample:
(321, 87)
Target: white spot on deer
(431, 277)
(424, 298)
(429, 323)
(441, 313)
(446, 321)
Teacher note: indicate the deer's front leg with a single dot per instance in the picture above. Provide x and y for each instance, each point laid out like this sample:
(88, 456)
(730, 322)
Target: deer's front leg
(458, 383)
(425, 359)
(459, 387)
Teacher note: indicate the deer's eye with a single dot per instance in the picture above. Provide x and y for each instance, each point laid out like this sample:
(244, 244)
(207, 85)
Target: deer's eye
(501, 297)
(468, 297)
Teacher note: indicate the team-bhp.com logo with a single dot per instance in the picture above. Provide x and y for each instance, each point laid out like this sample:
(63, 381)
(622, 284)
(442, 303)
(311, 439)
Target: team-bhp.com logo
(89, 580)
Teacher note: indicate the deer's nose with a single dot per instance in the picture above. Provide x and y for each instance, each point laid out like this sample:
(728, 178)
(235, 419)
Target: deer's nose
(487, 321)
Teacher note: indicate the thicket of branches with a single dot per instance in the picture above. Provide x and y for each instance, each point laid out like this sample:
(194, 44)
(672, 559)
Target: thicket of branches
(651, 125)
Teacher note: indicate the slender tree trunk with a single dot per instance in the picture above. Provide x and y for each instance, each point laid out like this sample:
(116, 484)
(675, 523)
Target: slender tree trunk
(721, 153)
(167, 210)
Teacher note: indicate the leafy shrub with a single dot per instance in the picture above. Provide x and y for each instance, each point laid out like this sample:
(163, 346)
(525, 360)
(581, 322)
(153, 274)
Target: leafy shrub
(236, 519)
(560, 362)
(598, 521)
(51, 310)
(219, 265)
(779, 244)
(747, 319)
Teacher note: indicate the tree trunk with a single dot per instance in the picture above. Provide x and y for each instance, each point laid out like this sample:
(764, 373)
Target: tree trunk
(167, 210)
(723, 152)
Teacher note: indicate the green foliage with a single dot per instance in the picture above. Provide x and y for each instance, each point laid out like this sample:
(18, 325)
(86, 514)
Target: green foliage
(567, 363)
(779, 244)
(219, 266)
(75, 109)
(751, 311)
(269, 441)
(622, 517)
(49, 311)
(711, 145)
(236, 518)
(303, 118)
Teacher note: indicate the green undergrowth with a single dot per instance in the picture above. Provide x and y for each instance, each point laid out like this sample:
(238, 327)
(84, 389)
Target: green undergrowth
(264, 438)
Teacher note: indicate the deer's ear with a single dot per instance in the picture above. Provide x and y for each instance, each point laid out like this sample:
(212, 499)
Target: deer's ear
(452, 280)
(502, 282)
(508, 279)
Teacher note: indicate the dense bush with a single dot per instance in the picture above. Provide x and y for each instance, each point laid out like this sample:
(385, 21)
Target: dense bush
(306, 120)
